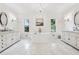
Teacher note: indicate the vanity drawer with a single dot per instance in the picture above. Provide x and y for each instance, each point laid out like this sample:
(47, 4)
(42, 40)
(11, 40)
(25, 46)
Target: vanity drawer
(15, 37)
(77, 38)
(3, 43)
(3, 46)
(13, 40)
(7, 39)
(3, 36)
(3, 40)
(73, 39)
(67, 37)
(64, 36)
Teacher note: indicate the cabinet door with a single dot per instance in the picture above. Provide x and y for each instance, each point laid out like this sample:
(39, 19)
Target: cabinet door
(63, 36)
(13, 38)
(3, 45)
(67, 37)
(3, 40)
(2, 36)
(9, 36)
(77, 38)
(73, 39)
(0, 47)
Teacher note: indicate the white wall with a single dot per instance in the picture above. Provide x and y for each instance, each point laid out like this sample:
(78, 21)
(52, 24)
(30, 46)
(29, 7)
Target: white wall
(47, 16)
(32, 24)
(69, 25)
(11, 16)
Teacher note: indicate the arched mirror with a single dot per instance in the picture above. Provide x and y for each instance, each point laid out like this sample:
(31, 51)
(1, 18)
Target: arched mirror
(76, 20)
(3, 19)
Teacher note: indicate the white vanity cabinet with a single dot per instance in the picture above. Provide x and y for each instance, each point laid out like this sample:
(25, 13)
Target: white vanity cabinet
(77, 37)
(3, 43)
(7, 39)
(71, 38)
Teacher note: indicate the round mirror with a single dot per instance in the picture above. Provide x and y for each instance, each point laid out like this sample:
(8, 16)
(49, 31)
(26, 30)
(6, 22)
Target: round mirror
(3, 19)
(76, 20)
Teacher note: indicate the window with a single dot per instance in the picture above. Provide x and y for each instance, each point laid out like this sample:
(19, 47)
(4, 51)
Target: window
(53, 25)
(26, 25)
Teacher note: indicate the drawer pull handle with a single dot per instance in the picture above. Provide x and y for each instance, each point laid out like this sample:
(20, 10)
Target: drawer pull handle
(2, 43)
(68, 38)
(11, 39)
(53, 35)
(1, 47)
(1, 40)
(1, 35)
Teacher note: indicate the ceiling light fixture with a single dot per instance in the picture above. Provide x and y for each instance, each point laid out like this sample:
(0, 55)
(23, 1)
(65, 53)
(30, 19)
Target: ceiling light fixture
(40, 10)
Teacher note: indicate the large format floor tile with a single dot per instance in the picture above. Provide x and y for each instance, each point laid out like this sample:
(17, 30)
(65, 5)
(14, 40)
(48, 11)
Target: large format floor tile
(47, 47)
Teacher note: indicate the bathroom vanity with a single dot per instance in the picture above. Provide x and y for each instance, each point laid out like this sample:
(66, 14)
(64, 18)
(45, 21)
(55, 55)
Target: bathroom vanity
(7, 39)
(71, 38)
(8, 35)
(70, 34)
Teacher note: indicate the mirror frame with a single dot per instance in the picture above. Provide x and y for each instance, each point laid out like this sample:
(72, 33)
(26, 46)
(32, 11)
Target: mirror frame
(75, 17)
(3, 13)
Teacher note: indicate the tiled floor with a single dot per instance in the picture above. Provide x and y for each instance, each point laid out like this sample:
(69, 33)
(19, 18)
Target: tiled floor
(40, 46)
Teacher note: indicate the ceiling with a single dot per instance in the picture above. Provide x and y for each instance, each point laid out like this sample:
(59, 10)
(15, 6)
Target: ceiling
(31, 9)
